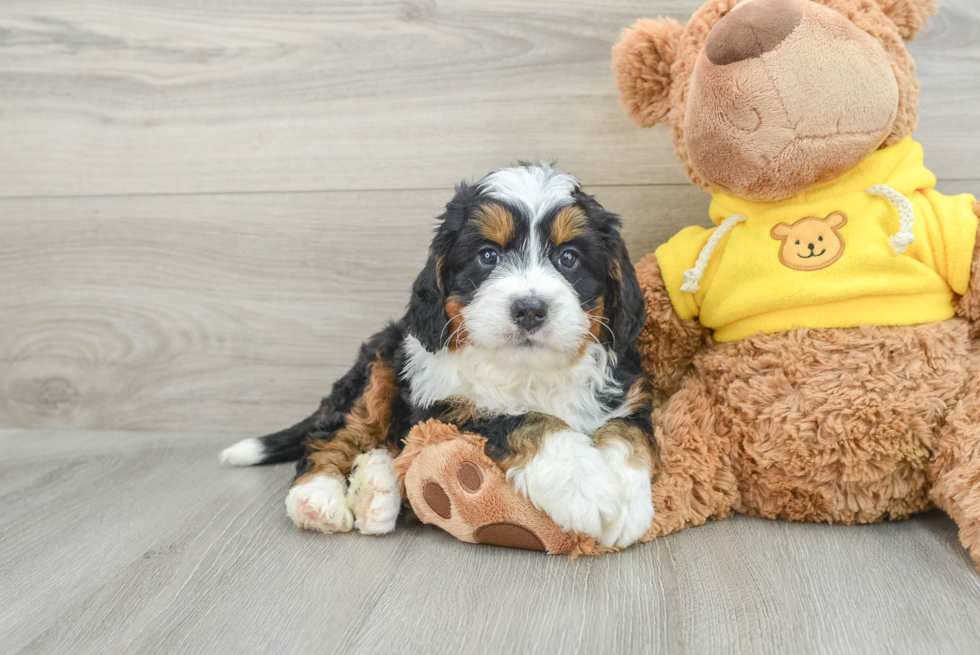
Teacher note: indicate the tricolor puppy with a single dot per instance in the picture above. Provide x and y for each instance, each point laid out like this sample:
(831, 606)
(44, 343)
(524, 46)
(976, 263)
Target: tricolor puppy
(520, 328)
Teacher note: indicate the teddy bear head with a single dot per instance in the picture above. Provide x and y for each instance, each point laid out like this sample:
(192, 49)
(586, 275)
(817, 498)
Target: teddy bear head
(766, 98)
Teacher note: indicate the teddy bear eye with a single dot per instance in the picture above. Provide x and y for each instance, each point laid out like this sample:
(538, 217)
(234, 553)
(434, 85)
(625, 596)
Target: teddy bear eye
(797, 242)
(819, 238)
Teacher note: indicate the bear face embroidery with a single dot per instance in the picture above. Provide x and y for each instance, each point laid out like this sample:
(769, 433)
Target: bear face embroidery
(811, 243)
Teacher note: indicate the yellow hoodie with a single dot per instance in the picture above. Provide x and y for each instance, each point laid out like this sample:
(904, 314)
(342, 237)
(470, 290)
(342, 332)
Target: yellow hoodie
(879, 245)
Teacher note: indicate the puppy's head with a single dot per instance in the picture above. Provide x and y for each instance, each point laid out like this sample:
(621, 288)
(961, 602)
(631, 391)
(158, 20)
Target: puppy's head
(528, 266)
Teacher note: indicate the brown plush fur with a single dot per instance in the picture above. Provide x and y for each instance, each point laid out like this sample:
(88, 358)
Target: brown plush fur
(954, 472)
(969, 304)
(667, 343)
(834, 426)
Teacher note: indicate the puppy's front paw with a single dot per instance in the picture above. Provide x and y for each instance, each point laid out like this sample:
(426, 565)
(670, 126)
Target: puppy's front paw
(320, 505)
(570, 481)
(636, 513)
(373, 495)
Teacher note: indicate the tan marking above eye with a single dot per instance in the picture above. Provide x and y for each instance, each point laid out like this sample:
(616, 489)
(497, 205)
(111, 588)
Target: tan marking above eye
(495, 223)
(569, 223)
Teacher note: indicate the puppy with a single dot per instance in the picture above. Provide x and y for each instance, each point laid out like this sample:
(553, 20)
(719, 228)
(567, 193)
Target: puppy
(520, 328)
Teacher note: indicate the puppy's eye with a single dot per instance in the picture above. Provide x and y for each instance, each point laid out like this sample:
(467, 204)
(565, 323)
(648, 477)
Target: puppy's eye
(488, 257)
(568, 259)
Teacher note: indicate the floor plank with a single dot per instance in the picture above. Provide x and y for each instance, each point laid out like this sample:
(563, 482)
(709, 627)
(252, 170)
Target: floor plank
(140, 543)
(122, 97)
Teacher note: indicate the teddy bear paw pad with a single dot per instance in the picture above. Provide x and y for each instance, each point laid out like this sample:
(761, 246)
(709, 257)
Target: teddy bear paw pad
(437, 499)
(510, 535)
(469, 476)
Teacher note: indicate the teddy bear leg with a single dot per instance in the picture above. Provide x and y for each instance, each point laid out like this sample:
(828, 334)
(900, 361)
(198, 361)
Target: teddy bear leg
(451, 483)
(955, 470)
(696, 480)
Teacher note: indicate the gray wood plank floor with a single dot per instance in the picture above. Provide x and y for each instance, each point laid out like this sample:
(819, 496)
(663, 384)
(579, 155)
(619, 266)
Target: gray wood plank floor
(120, 543)
(206, 205)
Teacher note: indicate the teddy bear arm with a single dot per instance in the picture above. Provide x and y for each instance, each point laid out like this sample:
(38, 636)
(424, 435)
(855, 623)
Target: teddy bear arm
(968, 305)
(667, 343)
(955, 468)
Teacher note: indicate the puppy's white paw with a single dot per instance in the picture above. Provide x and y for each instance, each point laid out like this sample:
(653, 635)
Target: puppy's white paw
(570, 481)
(373, 495)
(320, 505)
(636, 513)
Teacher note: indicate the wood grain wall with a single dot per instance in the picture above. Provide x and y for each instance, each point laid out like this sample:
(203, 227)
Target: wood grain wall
(205, 205)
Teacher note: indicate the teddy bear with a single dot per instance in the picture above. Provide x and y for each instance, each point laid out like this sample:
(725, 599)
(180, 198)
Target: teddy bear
(814, 354)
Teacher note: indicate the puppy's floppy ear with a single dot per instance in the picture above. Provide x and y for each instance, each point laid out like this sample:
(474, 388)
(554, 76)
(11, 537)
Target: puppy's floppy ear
(909, 16)
(426, 318)
(624, 307)
(641, 61)
(627, 315)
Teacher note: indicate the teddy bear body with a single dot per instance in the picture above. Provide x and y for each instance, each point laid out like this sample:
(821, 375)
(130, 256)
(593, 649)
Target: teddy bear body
(847, 391)
(835, 425)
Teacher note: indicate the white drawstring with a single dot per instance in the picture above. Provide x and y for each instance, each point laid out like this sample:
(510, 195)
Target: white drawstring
(693, 275)
(903, 238)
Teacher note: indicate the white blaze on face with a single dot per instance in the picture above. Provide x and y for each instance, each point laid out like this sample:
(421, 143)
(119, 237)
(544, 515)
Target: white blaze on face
(535, 191)
(488, 316)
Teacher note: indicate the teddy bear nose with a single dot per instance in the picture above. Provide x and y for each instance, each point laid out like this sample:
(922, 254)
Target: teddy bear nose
(752, 30)
(810, 246)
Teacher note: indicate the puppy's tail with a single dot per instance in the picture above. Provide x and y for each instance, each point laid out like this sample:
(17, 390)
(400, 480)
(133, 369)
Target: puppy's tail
(283, 446)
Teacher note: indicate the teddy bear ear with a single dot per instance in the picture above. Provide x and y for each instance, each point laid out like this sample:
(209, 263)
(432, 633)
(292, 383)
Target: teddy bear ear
(641, 61)
(910, 16)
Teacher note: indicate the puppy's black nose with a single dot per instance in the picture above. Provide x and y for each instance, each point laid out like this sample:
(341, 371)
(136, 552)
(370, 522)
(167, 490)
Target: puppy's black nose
(529, 313)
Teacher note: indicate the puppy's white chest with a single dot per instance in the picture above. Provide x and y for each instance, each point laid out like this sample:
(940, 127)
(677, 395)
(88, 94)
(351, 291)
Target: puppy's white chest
(500, 386)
